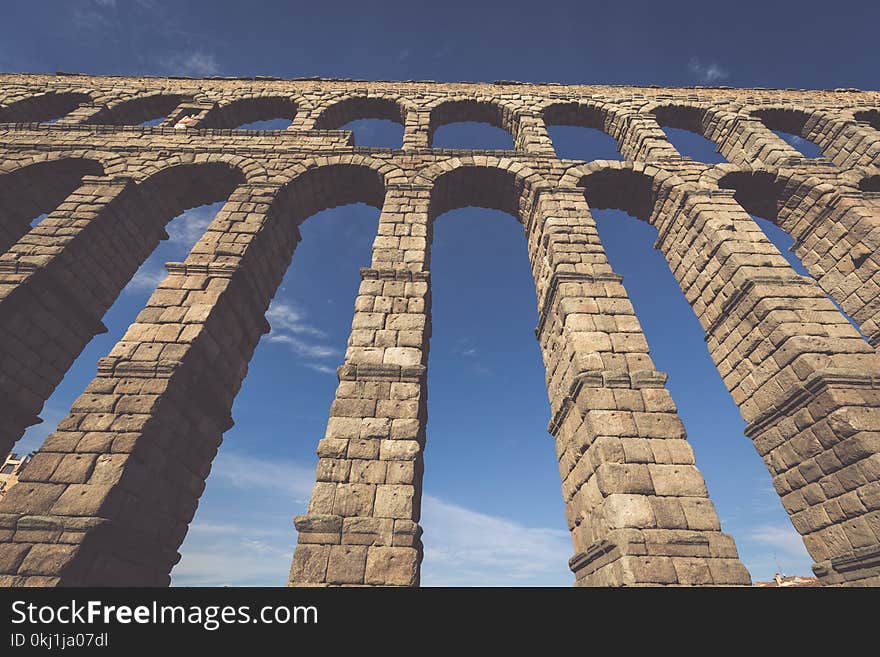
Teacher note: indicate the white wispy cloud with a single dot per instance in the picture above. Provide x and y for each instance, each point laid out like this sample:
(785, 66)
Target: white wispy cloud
(146, 278)
(248, 472)
(192, 63)
(235, 555)
(151, 32)
(707, 72)
(287, 317)
(291, 328)
(779, 537)
(186, 229)
(183, 232)
(464, 547)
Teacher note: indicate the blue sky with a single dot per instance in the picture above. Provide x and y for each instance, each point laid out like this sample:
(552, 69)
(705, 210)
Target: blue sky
(493, 512)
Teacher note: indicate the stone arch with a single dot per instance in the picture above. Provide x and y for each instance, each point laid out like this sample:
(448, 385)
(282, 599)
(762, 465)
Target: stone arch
(328, 186)
(683, 117)
(252, 171)
(77, 261)
(180, 187)
(455, 110)
(869, 116)
(795, 121)
(633, 188)
(580, 114)
(597, 116)
(38, 188)
(831, 226)
(352, 108)
(493, 182)
(390, 173)
(43, 107)
(134, 111)
(249, 109)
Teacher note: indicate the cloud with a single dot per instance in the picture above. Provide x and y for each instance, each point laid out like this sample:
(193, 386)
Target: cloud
(253, 473)
(464, 547)
(287, 317)
(323, 369)
(289, 327)
(707, 72)
(779, 537)
(191, 63)
(234, 555)
(186, 229)
(147, 278)
(252, 541)
(148, 32)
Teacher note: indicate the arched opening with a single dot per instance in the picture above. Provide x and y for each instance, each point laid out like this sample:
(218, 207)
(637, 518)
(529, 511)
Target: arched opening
(765, 197)
(579, 132)
(28, 194)
(471, 124)
(870, 184)
(871, 117)
(45, 108)
(375, 122)
(260, 113)
(492, 512)
(790, 126)
(265, 470)
(622, 203)
(87, 258)
(685, 129)
(146, 110)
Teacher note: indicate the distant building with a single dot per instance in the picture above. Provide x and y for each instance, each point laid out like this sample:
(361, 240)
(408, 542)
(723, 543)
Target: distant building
(12, 467)
(792, 580)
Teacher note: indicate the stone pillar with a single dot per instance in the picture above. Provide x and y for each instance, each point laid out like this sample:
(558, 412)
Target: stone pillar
(845, 142)
(532, 136)
(80, 115)
(744, 139)
(189, 108)
(802, 376)
(837, 237)
(108, 497)
(361, 527)
(417, 130)
(636, 504)
(56, 283)
(640, 138)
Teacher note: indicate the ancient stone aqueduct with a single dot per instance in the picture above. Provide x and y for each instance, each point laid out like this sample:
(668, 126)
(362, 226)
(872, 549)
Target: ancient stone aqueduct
(108, 497)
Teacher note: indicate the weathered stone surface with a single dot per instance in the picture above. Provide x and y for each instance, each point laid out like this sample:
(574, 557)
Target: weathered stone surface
(130, 460)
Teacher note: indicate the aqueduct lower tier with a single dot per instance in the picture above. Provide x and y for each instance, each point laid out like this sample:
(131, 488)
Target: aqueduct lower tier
(108, 497)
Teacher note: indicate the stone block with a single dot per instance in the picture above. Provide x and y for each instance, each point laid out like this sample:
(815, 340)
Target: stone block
(392, 566)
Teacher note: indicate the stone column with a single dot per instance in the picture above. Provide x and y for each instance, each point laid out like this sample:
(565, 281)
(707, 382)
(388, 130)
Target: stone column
(417, 130)
(845, 142)
(837, 237)
(744, 139)
(641, 139)
(532, 136)
(56, 283)
(80, 115)
(802, 376)
(189, 108)
(361, 527)
(108, 497)
(636, 504)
